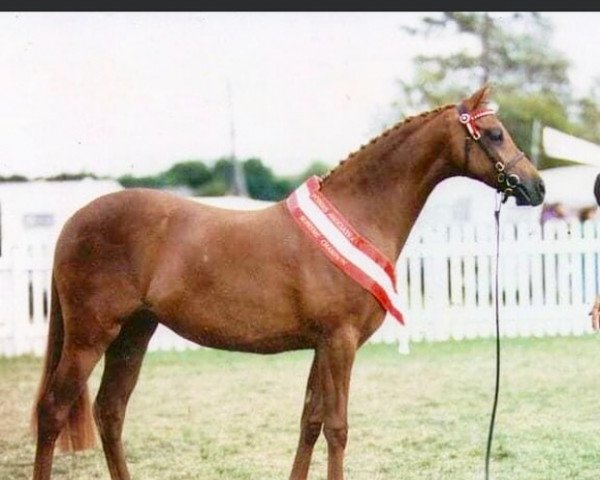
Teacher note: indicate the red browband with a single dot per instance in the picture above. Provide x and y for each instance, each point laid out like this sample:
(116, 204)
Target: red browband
(468, 119)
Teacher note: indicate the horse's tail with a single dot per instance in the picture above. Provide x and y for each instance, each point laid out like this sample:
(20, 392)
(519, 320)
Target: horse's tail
(78, 433)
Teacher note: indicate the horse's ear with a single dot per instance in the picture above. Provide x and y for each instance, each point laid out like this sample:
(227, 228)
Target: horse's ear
(479, 98)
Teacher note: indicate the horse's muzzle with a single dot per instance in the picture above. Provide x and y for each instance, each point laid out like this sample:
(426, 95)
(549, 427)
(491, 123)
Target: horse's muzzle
(530, 193)
(597, 189)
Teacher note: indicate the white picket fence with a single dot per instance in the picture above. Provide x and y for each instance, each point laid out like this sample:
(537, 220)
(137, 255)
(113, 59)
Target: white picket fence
(549, 277)
(25, 274)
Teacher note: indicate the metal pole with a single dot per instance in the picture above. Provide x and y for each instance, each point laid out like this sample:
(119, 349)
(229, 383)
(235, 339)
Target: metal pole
(238, 181)
(536, 140)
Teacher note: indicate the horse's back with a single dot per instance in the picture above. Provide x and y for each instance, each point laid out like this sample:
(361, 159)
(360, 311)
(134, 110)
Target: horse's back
(135, 217)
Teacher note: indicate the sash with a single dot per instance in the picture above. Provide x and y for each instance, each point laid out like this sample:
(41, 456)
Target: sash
(343, 245)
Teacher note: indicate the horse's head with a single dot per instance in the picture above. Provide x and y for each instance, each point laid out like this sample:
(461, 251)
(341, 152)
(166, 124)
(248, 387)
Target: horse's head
(482, 149)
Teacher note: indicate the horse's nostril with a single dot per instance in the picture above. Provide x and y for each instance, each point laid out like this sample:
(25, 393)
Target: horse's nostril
(542, 187)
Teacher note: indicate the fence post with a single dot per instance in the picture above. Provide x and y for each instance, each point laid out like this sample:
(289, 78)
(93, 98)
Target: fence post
(10, 319)
(485, 266)
(588, 238)
(21, 301)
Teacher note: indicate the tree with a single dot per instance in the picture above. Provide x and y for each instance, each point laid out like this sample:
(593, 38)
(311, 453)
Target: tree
(221, 176)
(129, 181)
(191, 173)
(513, 51)
(315, 168)
(13, 178)
(588, 113)
(61, 177)
(262, 183)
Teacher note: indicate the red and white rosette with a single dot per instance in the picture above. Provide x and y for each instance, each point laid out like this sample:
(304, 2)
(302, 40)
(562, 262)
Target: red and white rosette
(343, 245)
(469, 119)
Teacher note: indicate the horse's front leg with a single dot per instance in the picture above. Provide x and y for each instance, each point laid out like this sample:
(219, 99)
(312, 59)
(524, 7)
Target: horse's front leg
(310, 424)
(335, 366)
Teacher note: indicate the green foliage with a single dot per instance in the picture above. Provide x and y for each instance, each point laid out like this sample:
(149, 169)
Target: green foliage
(262, 183)
(129, 181)
(215, 188)
(62, 177)
(13, 178)
(513, 51)
(518, 113)
(223, 170)
(192, 173)
(221, 176)
(588, 114)
(315, 168)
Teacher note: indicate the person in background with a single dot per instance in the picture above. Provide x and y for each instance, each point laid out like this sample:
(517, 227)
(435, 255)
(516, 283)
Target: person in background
(553, 211)
(595, 311)
(587, 213)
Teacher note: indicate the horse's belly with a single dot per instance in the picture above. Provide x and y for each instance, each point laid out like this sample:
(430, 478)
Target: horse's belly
(253, 323)
(241, 336)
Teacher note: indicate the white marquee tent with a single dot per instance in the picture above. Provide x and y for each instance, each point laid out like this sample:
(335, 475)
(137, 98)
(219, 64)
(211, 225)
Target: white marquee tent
(36, 211)
(558, 144)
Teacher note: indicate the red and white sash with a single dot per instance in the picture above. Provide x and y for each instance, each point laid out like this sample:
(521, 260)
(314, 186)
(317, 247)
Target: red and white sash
(343, 245)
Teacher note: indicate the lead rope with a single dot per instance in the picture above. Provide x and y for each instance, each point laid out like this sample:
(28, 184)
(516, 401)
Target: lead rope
(499, 201)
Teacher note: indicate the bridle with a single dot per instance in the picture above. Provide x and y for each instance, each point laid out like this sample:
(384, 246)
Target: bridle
(507, 181)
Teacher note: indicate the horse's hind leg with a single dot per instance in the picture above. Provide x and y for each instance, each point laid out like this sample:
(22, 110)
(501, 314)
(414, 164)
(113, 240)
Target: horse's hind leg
(122, 364)
(310, 424)
(55, 405)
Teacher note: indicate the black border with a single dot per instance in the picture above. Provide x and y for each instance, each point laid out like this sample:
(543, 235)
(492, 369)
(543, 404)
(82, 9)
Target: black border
(303, 6)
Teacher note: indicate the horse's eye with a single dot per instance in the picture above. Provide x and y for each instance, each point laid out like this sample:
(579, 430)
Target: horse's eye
(494, 134)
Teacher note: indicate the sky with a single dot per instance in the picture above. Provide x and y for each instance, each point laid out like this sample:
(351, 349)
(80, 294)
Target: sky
(133, 93)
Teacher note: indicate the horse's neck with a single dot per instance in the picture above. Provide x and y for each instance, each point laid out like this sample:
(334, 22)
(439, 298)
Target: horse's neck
(382, 188)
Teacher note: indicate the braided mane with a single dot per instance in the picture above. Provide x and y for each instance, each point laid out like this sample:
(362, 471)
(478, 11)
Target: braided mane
(400, 125)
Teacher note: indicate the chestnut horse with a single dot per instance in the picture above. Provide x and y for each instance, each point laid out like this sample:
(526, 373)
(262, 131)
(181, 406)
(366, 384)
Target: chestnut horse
(246, 281)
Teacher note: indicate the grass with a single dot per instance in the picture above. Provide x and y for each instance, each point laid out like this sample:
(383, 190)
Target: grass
(218, 415)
